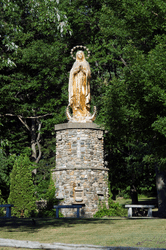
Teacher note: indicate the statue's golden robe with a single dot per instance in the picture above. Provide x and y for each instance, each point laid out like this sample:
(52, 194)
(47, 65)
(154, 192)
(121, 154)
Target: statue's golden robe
(79, 86)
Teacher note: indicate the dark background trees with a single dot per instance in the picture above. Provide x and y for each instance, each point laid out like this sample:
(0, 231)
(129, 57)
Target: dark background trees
(127, 44)
(33, 78)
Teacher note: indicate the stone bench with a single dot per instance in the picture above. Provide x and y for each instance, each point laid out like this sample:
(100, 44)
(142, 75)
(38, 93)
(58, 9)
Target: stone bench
(8, 209)
(139, 206)
(78, 206)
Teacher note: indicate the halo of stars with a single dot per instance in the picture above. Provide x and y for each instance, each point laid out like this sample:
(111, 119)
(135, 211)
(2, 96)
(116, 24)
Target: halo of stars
(82, 47)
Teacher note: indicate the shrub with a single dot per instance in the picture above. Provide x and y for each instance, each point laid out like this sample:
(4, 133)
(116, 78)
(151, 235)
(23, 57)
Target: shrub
(22, 188)
(114, 209)
(48, 211)
(125, 193)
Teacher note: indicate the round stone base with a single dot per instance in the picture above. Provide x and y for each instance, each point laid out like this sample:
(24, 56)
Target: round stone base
(80, 176)
(81, 186)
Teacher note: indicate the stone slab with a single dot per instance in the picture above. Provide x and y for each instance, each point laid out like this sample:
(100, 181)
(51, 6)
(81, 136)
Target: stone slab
(77, 125)
(140, 206)
(62, 246)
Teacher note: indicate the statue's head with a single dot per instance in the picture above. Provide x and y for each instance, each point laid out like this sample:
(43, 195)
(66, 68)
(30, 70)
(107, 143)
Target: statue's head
(80, 55)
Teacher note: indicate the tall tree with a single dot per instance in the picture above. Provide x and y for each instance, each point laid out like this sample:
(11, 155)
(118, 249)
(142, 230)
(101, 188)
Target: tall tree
(134, 98)
(33, 76)
(31, 69)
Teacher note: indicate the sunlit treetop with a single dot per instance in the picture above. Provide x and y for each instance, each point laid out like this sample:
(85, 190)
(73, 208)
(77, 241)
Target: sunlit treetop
(18, 17)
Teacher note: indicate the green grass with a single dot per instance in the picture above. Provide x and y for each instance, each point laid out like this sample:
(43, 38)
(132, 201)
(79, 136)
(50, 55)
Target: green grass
(141, 199)
(113, 231)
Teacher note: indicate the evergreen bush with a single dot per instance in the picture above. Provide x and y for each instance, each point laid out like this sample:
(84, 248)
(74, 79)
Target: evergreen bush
(22, 188)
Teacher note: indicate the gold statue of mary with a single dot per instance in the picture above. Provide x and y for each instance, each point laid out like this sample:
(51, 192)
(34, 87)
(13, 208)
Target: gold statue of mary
(79, 90)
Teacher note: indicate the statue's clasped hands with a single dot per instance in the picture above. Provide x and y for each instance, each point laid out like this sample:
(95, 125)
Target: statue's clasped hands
(77, 70)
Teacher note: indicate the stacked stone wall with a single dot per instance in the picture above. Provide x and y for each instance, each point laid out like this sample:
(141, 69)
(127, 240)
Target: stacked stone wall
(80, 175)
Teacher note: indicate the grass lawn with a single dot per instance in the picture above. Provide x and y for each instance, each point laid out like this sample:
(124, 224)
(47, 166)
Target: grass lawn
(114, 231)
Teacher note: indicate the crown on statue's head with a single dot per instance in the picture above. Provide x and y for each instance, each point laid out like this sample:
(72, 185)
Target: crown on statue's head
(81, 47)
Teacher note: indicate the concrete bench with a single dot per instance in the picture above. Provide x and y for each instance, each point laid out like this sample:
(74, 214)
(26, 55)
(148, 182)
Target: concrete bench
(8, 209)
(139, 206)
(78, 206)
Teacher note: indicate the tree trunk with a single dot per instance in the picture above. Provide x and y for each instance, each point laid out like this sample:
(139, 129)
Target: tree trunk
(161, 192)
(33, 139)
(134, 194)
(133, 190)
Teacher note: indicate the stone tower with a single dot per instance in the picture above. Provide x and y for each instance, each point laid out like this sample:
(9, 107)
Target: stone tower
(80, 174)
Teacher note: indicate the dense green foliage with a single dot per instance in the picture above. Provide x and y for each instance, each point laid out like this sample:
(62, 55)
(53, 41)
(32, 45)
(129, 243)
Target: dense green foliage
(6, 163)
(22, 188)
(133, 103)
(114, 210)
(127, 43)
(49, 196)
(32, 76)
(1, 202)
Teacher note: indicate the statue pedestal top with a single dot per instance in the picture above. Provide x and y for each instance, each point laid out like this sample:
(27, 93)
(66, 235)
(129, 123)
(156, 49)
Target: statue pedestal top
(77, 125)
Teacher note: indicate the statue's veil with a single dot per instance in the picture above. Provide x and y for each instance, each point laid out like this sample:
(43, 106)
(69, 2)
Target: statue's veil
(76, 65)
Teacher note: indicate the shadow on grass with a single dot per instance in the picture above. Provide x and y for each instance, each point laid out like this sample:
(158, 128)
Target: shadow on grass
(35, 224)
